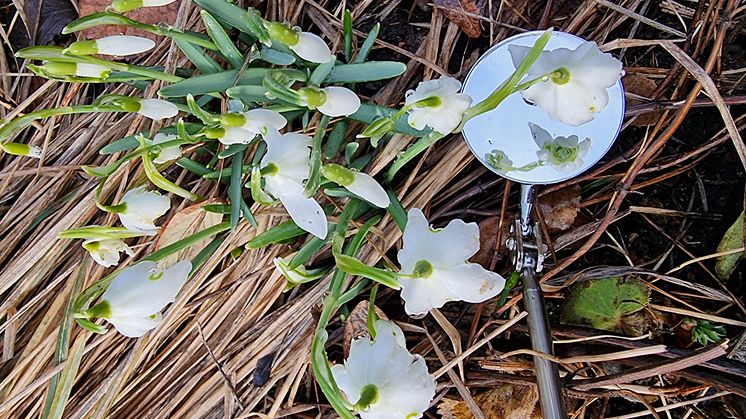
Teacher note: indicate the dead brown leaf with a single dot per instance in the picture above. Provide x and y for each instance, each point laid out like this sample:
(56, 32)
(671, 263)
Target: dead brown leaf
(506, 401)
(643, 86)
(356, 325)
(560, 208)
(459, 11)
(185, 223)
(488, 235)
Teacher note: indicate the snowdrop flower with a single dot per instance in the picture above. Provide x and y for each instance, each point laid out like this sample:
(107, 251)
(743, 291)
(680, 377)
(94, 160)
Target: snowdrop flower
(141, 208)
(61, 69)
(117, 45)
(166, 154)
(499, 160)
(437, 104)
(435, 268)
(287, 164)
(331, 101)
(135, 298)
(306, 45)
(121, 6)
(361, 184)
(155, 109)
(106, 252)
(381, 379)
(241, 128)
(575, 88)
(20, 149)
(562, 153)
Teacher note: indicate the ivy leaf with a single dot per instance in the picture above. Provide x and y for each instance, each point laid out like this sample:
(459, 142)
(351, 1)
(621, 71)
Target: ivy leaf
(604, 303)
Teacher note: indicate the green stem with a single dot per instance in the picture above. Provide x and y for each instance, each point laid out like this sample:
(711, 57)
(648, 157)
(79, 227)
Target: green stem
(26, 120)
(509, 86)
(413, 151)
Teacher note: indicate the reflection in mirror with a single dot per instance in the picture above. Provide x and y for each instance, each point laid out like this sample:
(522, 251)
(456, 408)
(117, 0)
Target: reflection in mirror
(563, 121)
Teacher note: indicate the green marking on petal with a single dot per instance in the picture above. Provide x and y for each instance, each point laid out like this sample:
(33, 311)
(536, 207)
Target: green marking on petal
(368, 396)
(422, 269)
(561, 75)
(431, 102)
(269, 170)
(156, 276)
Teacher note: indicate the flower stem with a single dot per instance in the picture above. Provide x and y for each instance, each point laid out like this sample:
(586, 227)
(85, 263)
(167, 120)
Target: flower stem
(24, 121)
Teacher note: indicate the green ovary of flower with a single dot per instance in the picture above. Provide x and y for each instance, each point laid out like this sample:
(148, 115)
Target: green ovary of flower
(422, 269)
(282, 33)
(562, 154)
(368, 396)
(430, 102)
(560, 75)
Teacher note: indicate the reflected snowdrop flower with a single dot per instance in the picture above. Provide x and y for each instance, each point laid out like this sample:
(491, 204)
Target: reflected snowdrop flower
(499, 160)
(437, 104)
(361, 184)
(241, 128)
(135, 298)
(435, 266)
(381, 379)
(106, 252)
(166, 154)
(331, 101)
(141, 208)
(285, 166)
(127, 5)
(562, 153)
(306, 45)
(155, 109)
(576, 83)
(117, 45)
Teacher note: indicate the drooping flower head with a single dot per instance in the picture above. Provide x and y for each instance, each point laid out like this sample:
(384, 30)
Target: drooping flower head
(307, 45)
(361, 184)
(562, 153)
(331, 101)
(287, 165)
(166, 154)
(106, 252)
(436, 268)
(381, 379)
(242, 127)
(64, 69)
(437, 104)
(577, 80)
(135, 298)
(142, 207)
(117, 45)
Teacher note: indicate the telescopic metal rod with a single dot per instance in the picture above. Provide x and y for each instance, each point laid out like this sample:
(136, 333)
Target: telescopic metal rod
(547, 375)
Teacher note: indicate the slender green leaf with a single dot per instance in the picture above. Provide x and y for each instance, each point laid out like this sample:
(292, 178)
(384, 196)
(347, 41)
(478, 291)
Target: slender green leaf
(222, 40)
(396, 209)
(347, 30)
(219, 82)
(276, 234)
(336, 138)
(321, 72)
(360, 72)
(196, 55)
(362, 55)
(235, 188)
(732, 240)
(369, 112)
(314, 177)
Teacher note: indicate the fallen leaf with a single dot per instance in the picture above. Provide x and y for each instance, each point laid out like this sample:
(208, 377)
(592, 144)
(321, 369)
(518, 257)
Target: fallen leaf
(605, 303)
(643, 86)
(356, 325)
(506, 401)
(459, 11)
(151, 15)
(487, 237)
(732, 240)
(185, 223)
(560, 208)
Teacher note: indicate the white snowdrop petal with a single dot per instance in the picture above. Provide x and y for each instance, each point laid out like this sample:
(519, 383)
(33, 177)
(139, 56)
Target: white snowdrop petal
(470, 282)
(312, 48)
(258, 119)
(90, 70)
(233, 135)
(422, 295)
(120, 45)
(142, 289)
(166, 154)
(157, 109)
(340, 101)
(106, 252)
(305, 211)
(446, 116)
(134, 327)
(142, 208)
(290, 152)
(367, 188)
(156, 3)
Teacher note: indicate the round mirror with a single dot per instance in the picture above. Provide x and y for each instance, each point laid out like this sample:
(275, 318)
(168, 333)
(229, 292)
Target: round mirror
(508, 140)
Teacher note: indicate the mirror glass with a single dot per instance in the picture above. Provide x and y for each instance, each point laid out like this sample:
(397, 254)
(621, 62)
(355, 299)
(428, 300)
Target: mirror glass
(506, 140)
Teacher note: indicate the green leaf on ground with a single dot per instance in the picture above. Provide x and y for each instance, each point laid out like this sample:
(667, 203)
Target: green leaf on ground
(603, 303)
(732, 240)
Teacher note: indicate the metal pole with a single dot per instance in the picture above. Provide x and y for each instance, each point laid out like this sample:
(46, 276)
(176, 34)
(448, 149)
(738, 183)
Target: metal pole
(547, 375)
